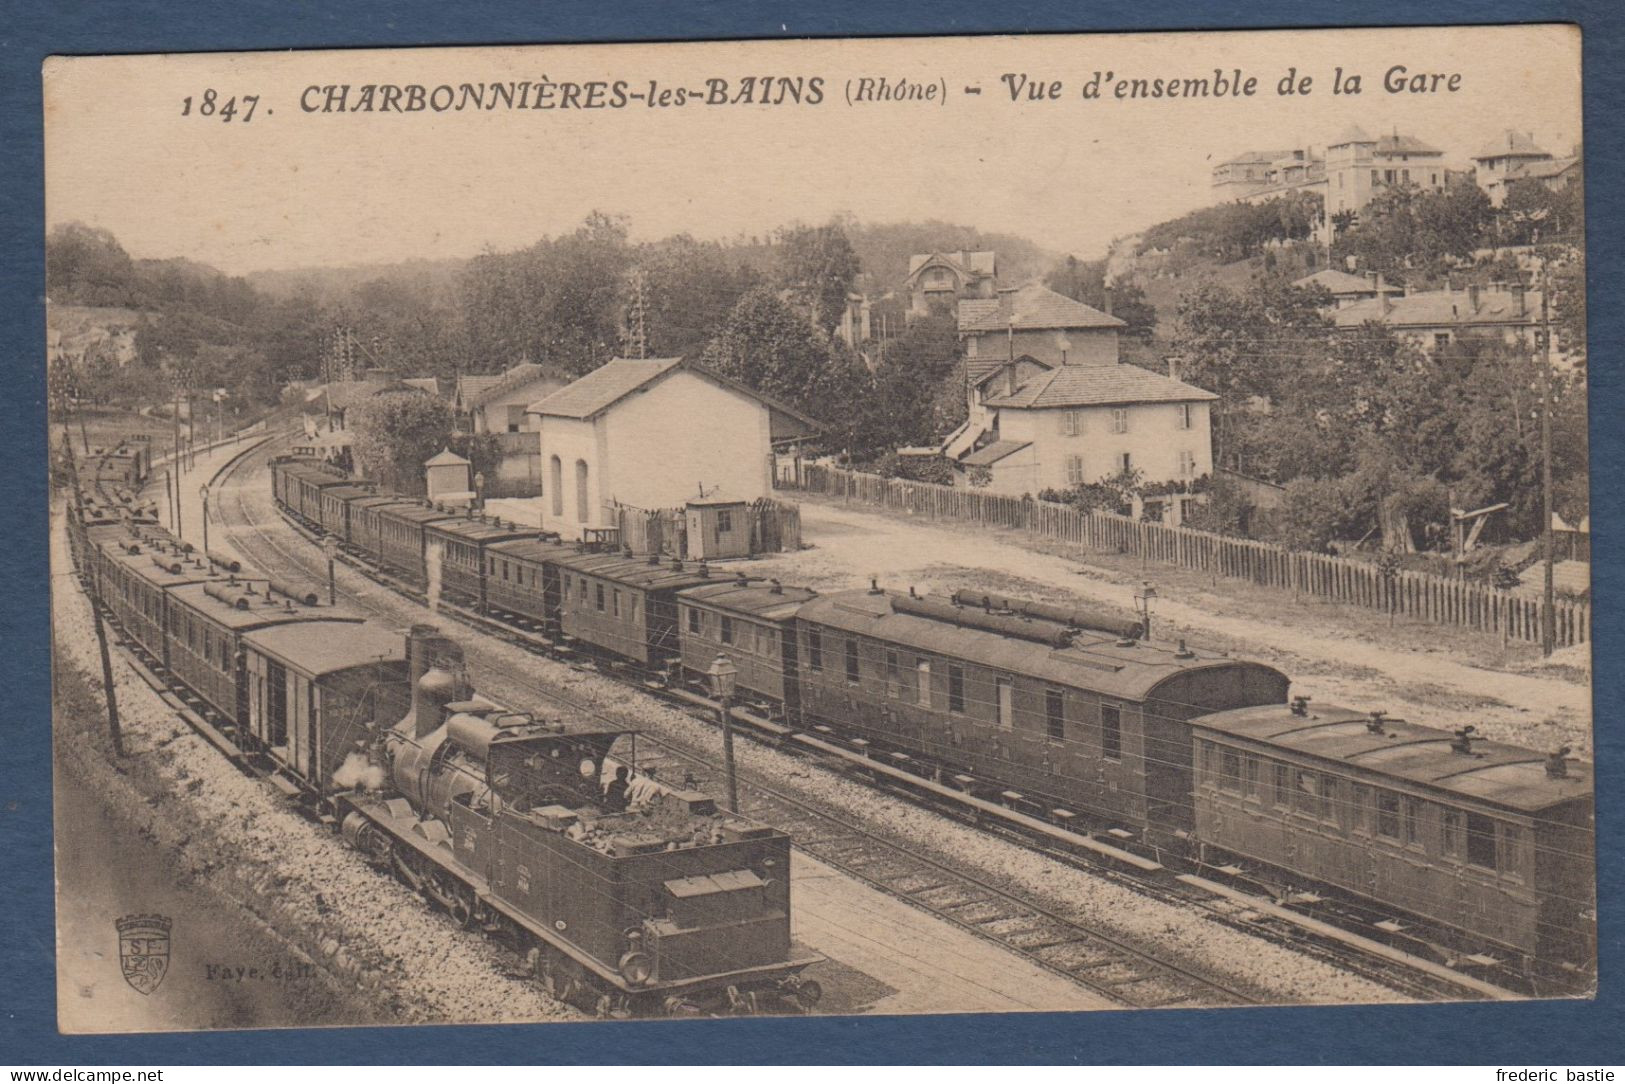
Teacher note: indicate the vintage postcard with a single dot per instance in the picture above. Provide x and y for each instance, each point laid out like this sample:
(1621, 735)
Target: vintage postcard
(931, 525)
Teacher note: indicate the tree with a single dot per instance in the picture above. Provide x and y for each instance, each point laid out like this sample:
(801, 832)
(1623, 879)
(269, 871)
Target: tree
(918, 390)
(87, 266)
(1416, 235)
(767, 345)
(396, 432)
(689, 289)
(817, 266)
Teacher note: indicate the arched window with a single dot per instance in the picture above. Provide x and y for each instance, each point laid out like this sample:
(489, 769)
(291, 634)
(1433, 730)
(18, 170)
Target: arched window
(581, 491)
(555, 481)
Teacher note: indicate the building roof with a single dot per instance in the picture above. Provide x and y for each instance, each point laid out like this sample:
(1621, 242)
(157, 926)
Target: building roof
(992, 453)
(1512, 145)
(318, 648)
(471, 386)
(979, 370)
(1395, 143)
(516, 378)
(1352, 134)
(1035, 307)
(1505, 775)
(1094, 660)
(1442, 308)
(445, 458)
(1099, 385)
(423, 383)
(591, 395)
(1541, 170)
(1254, 158)
(971, 264)
(1340, 283)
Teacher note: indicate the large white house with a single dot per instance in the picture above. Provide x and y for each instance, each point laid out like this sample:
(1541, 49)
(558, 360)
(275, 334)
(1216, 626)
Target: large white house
(653, 433)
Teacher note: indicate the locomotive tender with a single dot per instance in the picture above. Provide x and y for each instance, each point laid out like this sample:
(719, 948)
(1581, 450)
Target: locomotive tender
(1074, 716)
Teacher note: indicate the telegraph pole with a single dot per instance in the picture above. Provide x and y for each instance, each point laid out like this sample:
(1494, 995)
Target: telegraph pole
(1548, 609)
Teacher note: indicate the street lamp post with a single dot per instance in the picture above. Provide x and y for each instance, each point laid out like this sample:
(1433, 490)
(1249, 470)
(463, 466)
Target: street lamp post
(479, 490)
(724, 674)
(330, 546)
(1142, 602)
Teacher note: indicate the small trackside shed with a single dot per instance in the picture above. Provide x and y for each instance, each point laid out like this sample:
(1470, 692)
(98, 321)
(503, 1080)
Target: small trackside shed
(751, 622)
(317, 692)
(1475, 835)
(623, 605)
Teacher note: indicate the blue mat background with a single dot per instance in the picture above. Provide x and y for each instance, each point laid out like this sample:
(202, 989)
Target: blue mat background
(1546, 1033)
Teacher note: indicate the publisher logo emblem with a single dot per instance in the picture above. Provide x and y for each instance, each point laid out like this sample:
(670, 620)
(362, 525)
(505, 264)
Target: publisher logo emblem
(143, 950)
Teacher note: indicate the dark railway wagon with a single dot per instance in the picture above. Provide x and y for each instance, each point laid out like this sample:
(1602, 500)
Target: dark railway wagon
(402, 544)
(366, 529)
(284, 472)
(336, 502)
(139, 588)
(1483, 838)
(316, 692)
(1055, 717)
(753, 623)
(207, 622)
(622, 605)
(522, 578)
(459, 546)
(306, 485)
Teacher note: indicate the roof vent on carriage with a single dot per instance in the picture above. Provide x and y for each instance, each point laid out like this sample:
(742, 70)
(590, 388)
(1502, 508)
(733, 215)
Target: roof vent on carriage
(1463, 741)
(1374, 722)
(1300, 705)
(1557, 764)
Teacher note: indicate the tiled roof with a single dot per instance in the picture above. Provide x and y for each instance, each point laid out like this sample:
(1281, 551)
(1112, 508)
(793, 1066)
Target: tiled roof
(973, 310)
(603, 387)
(1099, 385)
(1394, 143)
(979, 370)
(1352, 134)
(1441, 308)
(423, 383)
(1252, 157)
(1538, 171)
(515, 378)
(973, 263)
(986, 457)
(1035, 307)
(1337, 282)
(446, 458)
(1512, 145)
(469, 387)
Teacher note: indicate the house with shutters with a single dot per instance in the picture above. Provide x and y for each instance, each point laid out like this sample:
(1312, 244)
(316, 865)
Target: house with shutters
(654, 433)
(937, 280)
(1061, 409)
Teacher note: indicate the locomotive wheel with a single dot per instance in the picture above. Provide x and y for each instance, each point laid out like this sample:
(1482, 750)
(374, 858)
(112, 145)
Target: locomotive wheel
(463, 906)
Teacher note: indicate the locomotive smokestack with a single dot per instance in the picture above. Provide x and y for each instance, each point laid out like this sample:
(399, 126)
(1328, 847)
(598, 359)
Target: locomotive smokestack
(433, 661)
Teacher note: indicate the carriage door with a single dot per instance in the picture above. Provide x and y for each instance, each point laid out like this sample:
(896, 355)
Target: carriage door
(276, 705)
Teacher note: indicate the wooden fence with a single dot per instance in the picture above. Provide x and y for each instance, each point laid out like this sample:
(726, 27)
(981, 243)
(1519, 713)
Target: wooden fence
(1413, 594)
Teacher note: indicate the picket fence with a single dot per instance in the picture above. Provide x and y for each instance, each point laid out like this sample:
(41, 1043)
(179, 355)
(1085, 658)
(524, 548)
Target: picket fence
(1420, 595)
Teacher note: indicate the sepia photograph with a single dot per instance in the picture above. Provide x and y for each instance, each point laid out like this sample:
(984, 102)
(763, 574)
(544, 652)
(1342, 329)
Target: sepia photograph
(825, 527)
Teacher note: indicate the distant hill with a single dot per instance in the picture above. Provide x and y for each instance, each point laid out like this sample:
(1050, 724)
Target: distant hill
(327, 283)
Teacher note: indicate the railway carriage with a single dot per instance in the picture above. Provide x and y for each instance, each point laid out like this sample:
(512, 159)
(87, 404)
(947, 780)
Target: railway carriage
(336, 505)
(315, 692)
(623, 606)
(285, 471)
(1053, 717)
(139, 588)
(1483, 838)
(460, 547)
(366, 529)
(206, 626)
(306, 485)
(523, 579)
(751, 622)
(402, 543)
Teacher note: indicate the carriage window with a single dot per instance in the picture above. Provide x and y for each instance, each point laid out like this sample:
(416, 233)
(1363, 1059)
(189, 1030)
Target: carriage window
(766, 643)
(1279, 780)
(1250, 774)
(598, 596)
(728, 638)
(894, 680)
(1359, 798)
(1306, 795)
(1111, 732)
(1413, 821)
(616, 600)
(1511, 850)
(1230, 770)
(1450, 831)
(1055, 714)
(1480, 841)
(956, 688)
(922, 678)
(1005, 689)
(1387, 814)
(815, 650)
(852, 674)
(583, 592)
(693, 620)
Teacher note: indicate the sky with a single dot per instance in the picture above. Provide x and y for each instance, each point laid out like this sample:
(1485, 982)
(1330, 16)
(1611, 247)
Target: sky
(290, 188)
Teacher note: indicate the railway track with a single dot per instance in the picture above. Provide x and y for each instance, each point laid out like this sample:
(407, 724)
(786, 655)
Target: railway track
(1110, 967)
(1107, 966)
